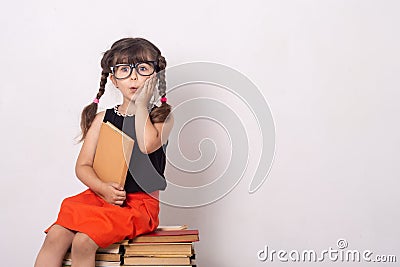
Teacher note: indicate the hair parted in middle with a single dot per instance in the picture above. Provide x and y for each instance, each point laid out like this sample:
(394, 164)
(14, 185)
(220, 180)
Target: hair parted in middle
(129, 51)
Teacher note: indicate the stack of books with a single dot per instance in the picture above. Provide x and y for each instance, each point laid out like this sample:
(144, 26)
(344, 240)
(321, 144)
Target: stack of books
(105, 257)
(167, 246)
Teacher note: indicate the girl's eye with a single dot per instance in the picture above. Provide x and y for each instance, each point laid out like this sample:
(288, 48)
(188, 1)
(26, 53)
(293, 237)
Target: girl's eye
(124, 69)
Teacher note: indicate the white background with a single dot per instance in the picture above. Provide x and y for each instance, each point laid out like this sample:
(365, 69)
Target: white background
(328, 69)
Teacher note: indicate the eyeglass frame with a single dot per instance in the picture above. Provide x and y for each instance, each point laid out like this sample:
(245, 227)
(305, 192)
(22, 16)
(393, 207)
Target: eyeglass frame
(133, 66)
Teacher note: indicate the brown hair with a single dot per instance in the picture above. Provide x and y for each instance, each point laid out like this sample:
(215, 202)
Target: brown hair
(129, 50)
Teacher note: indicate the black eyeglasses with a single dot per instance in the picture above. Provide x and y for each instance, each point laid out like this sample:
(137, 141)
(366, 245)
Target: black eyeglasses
(123, 71)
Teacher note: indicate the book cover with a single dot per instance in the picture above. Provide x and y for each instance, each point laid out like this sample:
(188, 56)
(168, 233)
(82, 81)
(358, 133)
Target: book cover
(168, 236)
(113, 154)
(157, 260)
(159, 249)
(172, 227)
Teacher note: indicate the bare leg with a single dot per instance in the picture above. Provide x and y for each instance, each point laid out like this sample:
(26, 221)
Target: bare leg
(83, 251)
(54, 247)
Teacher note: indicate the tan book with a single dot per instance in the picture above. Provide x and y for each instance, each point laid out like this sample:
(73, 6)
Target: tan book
(192, 264)
(113, 153)
(97, 263)
(108, 257)
(181, 249)
(156, 260)
(103, 253)
(123, 242)
(100, 256)
(172, 227)
(160, 265)
(113, 248)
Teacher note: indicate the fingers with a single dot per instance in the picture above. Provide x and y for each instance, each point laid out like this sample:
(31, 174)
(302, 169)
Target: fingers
(118, 199)
(116, 194)
(120, 193)
(118, 190)
(144, 89)
(117, 186)
(150, 83)
(119, 203)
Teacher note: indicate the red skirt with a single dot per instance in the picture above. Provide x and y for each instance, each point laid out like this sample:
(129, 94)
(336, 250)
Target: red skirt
(106, 223)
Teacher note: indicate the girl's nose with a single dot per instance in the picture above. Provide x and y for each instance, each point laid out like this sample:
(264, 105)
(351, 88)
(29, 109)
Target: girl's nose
(134, 74)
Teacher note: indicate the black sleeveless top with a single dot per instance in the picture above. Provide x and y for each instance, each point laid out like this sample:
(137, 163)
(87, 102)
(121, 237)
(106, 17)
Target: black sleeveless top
(146, 171)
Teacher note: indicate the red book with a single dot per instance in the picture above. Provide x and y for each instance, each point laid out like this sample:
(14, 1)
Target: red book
(162, 236)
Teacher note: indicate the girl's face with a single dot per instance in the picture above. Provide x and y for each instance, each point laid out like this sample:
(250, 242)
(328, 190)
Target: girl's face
(129, 85)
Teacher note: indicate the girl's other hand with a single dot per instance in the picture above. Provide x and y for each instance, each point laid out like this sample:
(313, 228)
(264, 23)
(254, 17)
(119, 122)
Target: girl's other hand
(113, 193)
(145, 92)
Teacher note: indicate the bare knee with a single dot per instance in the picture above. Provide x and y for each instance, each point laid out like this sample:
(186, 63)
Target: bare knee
(56, 243)
(58, 236)
(82, 244)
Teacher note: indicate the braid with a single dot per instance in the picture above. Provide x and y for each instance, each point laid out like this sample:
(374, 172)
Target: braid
(160, 114)
(90, 111)
(103, 81)
(162, 86)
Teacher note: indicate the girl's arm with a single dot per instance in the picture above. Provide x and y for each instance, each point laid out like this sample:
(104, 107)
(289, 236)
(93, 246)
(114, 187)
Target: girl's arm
(151, 137)
(111, 192)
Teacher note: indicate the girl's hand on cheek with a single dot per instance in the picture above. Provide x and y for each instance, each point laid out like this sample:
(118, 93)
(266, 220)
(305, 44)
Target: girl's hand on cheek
(145, 92)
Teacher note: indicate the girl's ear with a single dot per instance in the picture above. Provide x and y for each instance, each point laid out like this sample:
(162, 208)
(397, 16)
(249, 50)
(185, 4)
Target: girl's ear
(113, 80)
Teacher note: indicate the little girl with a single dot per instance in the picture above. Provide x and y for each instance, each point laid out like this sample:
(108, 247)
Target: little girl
(106, 212)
